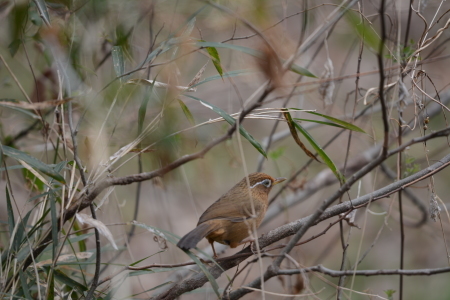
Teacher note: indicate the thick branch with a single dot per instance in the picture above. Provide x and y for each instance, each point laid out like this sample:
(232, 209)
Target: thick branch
(290, 229)
(334, 273)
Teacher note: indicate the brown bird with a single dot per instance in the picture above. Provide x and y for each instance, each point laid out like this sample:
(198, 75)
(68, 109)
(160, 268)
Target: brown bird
(230, 219)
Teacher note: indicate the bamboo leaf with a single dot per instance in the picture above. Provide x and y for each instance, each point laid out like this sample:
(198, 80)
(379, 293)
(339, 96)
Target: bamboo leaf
(21, 230)
(231, 121)
(116, 287)
(364, 30)
(50, 285)
(14, 46)
(100, 226)
(189, 27)
(63, 278)
(319, 122)
(215, 59)
(138, 261)
(32, 179)
(54, 220)
(10, 212)
(24, 285)
(302, 71)
(339, 122)
(225, 75)
(173, 239)
(205, 270)
(154, 271)
(33, 162)
(168, 236)
(143, 108)
(140, 81)
(186, 112)
(81, 244)
(319, 150)
(294, 134)
(118, 62)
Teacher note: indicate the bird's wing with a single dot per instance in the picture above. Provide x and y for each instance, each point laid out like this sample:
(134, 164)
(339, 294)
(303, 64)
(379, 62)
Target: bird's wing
(234, 210)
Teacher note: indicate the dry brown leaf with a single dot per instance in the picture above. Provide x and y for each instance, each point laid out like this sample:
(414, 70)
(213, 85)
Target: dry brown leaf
(297, 139)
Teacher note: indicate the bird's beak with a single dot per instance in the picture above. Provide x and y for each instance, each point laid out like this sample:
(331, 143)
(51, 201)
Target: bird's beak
(278, 180)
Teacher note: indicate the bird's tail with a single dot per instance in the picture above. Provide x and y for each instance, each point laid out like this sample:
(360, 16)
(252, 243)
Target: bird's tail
(191, 239)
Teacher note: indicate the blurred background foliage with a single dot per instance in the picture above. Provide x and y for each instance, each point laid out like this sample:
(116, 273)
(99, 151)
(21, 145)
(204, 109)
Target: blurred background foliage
(124, 71)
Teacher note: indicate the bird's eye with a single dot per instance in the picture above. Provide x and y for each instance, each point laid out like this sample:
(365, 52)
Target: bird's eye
(267, 183)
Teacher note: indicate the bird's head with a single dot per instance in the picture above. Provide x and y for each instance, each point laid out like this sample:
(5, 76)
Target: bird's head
(261, 182)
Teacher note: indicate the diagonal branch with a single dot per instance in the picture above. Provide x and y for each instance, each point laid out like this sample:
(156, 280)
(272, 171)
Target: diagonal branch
(290, 229)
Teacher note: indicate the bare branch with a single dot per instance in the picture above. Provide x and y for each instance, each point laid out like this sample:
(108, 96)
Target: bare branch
(287, 230)
(334, 273)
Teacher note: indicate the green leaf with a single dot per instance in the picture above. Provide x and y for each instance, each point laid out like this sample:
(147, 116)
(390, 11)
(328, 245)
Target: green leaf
(243, 49)
(321, 153)
(154, 271)
(205, 270)
(173, 239)
(215, 59)
(364, 30)
(63, 278)
(35, 17)
(32, 179)
(277, 153)
(50, 285)
(231, 121)
(118, 62)
(54, 220)
(43, 12)
(117, 286)
(13, 47)
(390, 294)
(75, 239)
(24, 285)
(21, 110)
(143, 108)
(168, 236)
(136, 262)
(21, 230)
(252, 52)
(10, 212)
(187, 112)
(295, 136)
(302, 71)
(320, 122)
(81, 244)
(225, 75)
(339, 122)
(189, 27)
(18, 18)
(33, 162)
